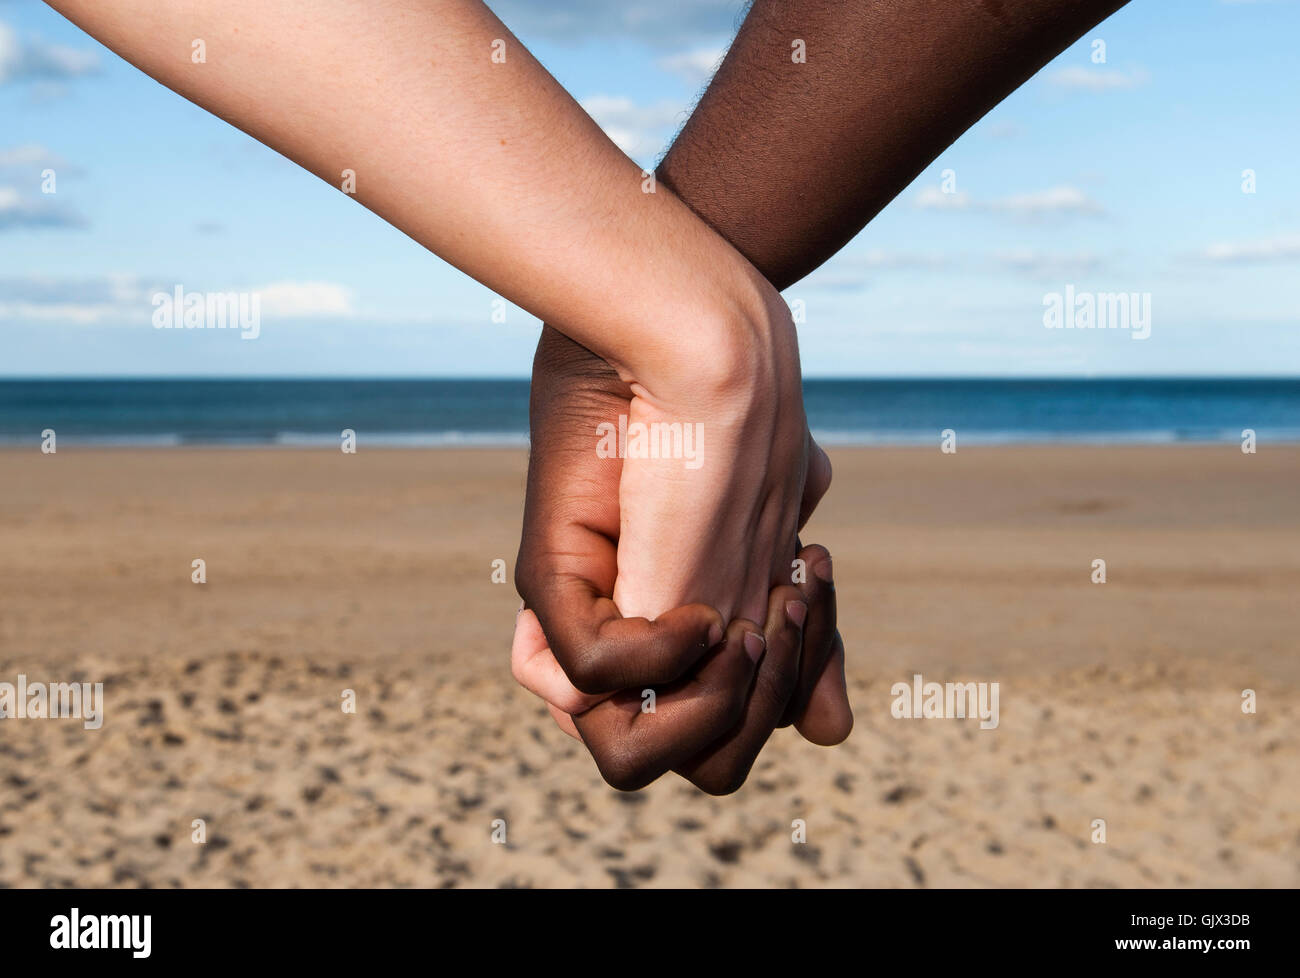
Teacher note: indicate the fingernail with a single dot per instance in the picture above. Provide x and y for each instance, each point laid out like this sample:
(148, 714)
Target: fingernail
(715, 634)
(797, 611)
(521, 609)
(754, 645)
(824, 570)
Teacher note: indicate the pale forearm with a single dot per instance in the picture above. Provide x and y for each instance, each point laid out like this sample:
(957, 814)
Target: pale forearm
(487, 162)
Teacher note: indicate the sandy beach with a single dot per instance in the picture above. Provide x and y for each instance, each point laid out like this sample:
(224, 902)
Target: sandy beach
(373, 573)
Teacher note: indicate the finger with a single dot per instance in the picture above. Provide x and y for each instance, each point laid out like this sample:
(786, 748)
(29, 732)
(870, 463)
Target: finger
(564, 722)
(601, 651)
(818, 588)
(827, 719)
(817, 481)
(725, 763)
(633, 746)
(535, 668)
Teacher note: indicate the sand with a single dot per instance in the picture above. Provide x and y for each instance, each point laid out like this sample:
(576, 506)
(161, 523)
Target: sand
(373, 573)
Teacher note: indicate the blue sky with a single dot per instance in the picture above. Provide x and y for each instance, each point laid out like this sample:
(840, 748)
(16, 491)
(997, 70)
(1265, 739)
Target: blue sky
(1116, 177)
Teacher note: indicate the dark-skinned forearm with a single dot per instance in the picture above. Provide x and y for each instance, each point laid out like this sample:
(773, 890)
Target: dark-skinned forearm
(788, 161)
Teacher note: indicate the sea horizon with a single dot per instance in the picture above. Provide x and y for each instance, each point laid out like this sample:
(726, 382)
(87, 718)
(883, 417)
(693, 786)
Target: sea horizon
(437, 412)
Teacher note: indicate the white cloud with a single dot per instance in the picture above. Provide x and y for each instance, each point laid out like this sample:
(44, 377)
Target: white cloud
(299, 300)
(851, 271)
(1079, 79)
(129, 299)
(30, 157)
(79, 301)
(878, 258)
(34, 210)
(693, 67)
(638, 130)
(1053, 202)
(932, 198)
(1284, 247)
(34, 60)
(1047, 265)
(1040, 203)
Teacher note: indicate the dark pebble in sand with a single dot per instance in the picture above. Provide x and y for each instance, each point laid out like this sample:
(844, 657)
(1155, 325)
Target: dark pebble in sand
(901, 794)
(312, 793)
(809, 854)
(622, 878)
(914, 868)
(726, 852)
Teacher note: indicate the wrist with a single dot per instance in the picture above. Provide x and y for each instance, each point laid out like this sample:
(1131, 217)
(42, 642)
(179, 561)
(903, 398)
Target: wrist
(735, 346)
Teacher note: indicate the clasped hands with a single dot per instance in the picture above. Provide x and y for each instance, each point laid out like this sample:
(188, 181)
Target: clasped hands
(719, 689)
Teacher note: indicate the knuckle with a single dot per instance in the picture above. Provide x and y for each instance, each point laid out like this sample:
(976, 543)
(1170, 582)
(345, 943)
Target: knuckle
(722, 779)
(587, 670)
(526, 583)
(624, 770)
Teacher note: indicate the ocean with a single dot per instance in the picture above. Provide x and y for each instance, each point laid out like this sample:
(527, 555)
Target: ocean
(435, 413)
